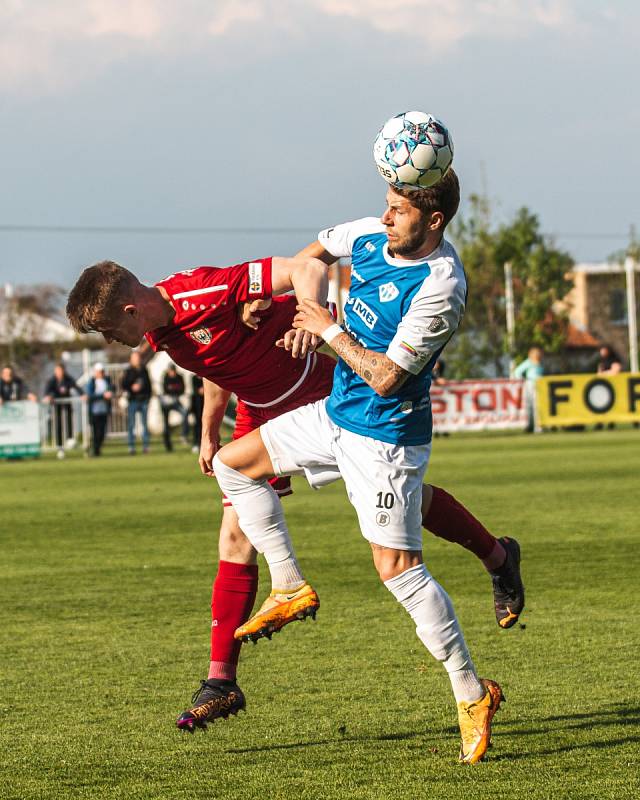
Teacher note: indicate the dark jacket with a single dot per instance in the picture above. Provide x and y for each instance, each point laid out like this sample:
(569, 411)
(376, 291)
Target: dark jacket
(12, 390)
(173, 385)
(59, 389)
(141, 376)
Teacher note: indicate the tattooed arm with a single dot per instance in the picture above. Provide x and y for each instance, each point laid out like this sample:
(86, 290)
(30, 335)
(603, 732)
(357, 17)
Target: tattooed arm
(382, 374)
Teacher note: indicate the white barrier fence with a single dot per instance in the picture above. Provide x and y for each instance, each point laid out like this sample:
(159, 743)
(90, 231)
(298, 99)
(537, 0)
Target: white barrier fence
(496, 404)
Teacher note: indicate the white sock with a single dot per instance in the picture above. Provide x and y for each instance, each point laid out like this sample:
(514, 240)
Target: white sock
(437, 627)
(261, 518)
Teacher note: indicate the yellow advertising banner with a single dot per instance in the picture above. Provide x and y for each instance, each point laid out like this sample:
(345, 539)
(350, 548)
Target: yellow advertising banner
(584, 399)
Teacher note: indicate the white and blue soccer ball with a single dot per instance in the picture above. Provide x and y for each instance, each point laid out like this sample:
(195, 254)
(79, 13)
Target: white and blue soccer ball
(413, 150)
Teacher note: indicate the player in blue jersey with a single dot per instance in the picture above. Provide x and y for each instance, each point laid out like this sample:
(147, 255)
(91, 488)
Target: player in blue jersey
(407, 298)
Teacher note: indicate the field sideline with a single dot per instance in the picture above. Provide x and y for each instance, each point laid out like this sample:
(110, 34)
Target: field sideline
(105, 593)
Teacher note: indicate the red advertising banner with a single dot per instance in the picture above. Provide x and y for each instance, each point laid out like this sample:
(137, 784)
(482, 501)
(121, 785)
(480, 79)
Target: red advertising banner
(496, 404)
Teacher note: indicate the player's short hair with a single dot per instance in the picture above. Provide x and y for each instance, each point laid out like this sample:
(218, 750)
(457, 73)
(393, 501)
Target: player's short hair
(98, 293)
(444, 196)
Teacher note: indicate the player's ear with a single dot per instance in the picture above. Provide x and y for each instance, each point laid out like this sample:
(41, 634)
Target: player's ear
(436, 221)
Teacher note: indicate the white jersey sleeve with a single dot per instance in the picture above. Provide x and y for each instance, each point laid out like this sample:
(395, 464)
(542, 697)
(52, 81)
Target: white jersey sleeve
(435, 313)
(339, 240)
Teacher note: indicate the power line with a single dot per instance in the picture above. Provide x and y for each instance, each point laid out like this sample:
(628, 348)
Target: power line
(173, 230)
(150, 229)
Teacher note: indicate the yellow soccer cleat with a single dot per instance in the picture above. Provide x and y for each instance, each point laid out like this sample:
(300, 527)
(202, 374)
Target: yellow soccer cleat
(475, 723)
(278, 610)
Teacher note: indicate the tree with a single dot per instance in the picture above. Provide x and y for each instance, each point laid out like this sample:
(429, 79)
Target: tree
(540, 282)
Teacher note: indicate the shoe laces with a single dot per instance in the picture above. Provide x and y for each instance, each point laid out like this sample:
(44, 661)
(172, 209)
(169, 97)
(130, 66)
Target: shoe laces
(198, 691)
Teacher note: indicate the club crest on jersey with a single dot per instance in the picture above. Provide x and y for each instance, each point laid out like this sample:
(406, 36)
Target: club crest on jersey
(365, 313)
(388, 292)
(255, 277)
(436, 325)
(201, 335)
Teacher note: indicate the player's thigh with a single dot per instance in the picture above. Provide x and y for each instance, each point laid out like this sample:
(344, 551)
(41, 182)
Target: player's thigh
(301, 441)
(248, 455)
(384, 484)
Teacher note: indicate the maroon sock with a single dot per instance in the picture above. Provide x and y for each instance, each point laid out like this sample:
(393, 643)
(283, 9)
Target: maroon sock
(450, 520)
(232, 599)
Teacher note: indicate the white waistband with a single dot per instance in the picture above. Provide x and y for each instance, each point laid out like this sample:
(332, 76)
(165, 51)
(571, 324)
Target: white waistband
(311, 362)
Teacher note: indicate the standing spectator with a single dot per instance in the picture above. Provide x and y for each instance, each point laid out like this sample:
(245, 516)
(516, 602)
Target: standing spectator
(61, 386)
(531, 369)
(12, 387)
(172, 391)
(137, 386)
(99, 394)
(609, 362)
(437, 372)
(197, 406)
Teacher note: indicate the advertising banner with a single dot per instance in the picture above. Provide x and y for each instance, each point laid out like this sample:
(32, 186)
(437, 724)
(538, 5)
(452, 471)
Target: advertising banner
(584, 399)
(19, 429)
(496, 404)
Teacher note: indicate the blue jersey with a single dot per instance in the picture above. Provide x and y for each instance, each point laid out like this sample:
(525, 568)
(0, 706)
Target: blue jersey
(407, 310)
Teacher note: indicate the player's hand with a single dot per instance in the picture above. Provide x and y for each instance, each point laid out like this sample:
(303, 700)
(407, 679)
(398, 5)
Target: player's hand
(299, 343)
(312, 317)
(248, 312)
(208, 449)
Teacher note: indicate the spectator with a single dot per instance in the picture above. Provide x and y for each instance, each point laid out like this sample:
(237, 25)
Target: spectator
(437, 373)
(99, 393)
(197, 406)
(609, 362)
(137, 386)
(531, 369)
(172, 391)
(61, 386)
(12, 387)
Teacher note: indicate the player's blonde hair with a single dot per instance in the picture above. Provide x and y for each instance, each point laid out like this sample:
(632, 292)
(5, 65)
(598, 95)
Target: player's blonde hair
(98, 296)
(444, 196)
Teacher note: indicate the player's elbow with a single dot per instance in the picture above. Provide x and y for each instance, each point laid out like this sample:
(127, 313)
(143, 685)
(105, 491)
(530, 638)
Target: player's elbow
(316, 268)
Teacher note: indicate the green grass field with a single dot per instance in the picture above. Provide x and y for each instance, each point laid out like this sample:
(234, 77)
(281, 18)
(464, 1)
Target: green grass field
(105, 597)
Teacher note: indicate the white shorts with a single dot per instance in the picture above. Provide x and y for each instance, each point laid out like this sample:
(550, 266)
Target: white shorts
(384, 481)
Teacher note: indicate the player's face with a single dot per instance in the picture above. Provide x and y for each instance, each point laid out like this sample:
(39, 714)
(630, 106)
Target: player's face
(407, 228)
(127, 328)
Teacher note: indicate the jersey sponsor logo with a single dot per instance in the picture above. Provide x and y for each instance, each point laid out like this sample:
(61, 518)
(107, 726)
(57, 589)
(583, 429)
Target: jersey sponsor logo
(370, 247)
(201, 335)
(255, 277)
(365, 313)
(436, 325)
(355, 274)
(388, 292)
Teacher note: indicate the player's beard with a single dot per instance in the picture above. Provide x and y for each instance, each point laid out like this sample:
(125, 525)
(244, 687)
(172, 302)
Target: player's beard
(412, 242)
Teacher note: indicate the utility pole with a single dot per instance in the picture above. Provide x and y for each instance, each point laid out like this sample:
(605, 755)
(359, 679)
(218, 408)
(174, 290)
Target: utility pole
(630, 269)
(511, 316)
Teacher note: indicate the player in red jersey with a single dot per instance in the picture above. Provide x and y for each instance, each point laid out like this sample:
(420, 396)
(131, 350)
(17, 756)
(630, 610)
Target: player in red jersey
(193, 316)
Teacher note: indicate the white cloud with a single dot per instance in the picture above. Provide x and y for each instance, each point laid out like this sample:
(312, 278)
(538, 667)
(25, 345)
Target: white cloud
(49, 45)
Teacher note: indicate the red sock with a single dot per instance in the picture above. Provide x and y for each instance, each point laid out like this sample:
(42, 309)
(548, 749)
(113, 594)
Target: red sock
(232, 599)
(450, 520)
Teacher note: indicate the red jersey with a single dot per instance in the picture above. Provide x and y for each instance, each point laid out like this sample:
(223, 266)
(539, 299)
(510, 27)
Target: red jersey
(207, 336)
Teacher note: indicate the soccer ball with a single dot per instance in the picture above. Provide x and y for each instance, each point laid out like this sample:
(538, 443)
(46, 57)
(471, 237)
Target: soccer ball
(413, 150)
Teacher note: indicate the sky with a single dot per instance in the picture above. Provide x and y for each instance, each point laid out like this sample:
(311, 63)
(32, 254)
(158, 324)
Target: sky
(257, 118)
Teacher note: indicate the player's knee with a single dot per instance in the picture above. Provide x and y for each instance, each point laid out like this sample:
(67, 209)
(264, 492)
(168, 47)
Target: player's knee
(390, 563)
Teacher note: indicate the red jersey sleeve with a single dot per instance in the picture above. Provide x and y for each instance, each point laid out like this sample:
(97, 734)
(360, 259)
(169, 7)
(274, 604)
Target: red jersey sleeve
(220, 285)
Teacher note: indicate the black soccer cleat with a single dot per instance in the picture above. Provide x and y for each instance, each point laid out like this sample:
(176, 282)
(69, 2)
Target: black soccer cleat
(508, 590)
(214, 699)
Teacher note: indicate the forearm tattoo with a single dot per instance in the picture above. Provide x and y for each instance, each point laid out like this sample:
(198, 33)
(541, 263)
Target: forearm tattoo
(380, 372)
